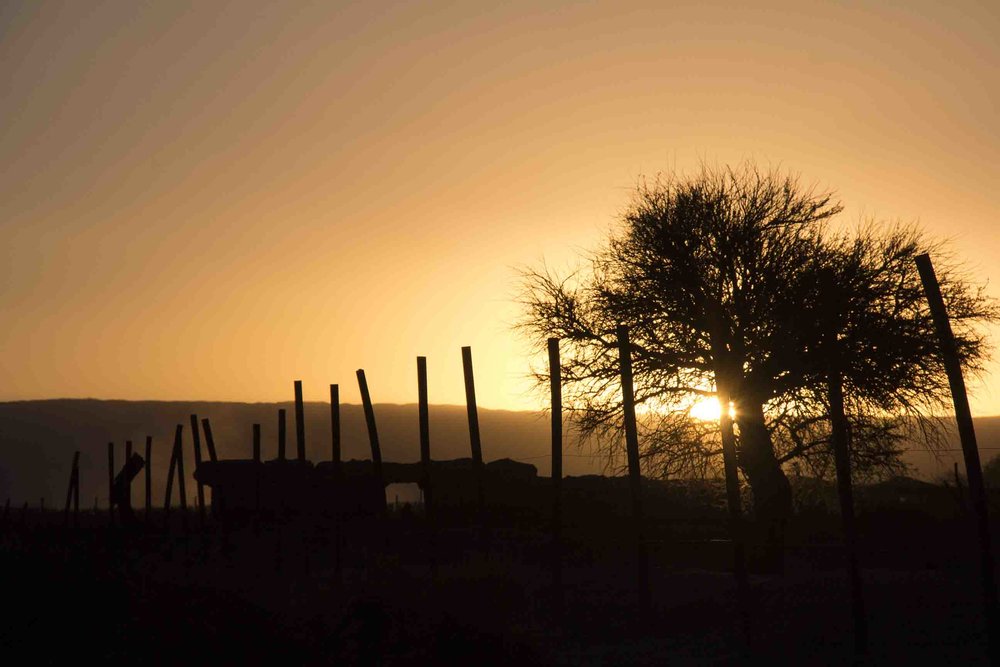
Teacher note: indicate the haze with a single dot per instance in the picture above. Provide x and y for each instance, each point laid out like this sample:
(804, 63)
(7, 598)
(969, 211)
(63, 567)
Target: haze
(209, 201)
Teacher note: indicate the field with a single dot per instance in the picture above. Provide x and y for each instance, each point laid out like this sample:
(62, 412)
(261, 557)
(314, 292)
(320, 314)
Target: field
(268, 590)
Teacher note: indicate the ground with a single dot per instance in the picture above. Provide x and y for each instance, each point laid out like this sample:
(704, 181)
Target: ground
(241, 593)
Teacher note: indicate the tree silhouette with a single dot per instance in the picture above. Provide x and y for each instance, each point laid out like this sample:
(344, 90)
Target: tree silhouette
(732, 284)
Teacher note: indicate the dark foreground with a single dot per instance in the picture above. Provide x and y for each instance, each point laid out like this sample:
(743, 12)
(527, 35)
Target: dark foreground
(253, 593)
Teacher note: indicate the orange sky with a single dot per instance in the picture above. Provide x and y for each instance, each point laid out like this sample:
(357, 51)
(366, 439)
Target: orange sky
(209, 202)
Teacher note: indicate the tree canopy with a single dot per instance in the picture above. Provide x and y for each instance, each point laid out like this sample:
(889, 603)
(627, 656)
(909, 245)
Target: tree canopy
(734, 282)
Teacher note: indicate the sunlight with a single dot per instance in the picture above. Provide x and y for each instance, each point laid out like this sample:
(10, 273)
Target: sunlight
(708, 409)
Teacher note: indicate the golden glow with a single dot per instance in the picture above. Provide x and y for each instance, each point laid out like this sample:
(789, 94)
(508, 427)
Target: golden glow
(209, 200)
(709, 409)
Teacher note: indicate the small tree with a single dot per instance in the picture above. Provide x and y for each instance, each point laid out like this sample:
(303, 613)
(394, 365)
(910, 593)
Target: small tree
(733, 285)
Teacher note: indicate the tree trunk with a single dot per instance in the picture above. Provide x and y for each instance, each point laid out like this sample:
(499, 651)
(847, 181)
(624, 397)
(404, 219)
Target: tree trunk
(772, 494)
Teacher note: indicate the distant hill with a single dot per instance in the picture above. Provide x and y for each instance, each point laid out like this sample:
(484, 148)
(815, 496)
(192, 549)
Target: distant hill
(928, 466)
(38, 438)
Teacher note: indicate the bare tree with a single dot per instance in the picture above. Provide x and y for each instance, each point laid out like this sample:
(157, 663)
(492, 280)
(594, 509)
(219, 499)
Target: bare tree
(733, 285)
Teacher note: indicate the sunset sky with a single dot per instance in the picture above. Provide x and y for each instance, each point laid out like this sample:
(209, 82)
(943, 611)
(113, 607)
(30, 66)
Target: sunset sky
(210, 201)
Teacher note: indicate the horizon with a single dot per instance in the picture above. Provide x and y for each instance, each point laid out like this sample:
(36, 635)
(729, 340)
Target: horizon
(543, 411)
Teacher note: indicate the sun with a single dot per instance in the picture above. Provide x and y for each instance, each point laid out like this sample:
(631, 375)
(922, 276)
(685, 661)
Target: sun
(709, 410)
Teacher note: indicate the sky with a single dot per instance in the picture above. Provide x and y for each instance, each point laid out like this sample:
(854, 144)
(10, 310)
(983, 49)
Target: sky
(210, 200)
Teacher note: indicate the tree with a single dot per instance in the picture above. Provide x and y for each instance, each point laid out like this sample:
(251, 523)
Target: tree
(733, 285)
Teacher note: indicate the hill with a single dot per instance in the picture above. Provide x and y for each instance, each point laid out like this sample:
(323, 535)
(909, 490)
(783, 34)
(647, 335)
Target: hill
(38, 438)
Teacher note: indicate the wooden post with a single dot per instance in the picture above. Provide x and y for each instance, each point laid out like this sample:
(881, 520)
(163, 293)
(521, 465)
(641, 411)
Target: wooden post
(76, 490)
(970, 451)
(366, 400)
(335, 429)
(149, 476)
(634, 473)
(555, 382)
(171, 470)
(74, 472)
(300, 423)
(473, 413)
(122, 489)
(196, 439)
(209, 440)
(423, 413)
(128, 489)
(842, 460)
(256, 463)
(180, 472)
(281, 434)
(338, 480)
(111, 483)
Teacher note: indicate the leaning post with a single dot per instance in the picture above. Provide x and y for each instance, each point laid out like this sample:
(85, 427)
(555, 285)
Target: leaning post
(196, 439)
(73, 489)
(474, 439)
(171, 471)
(970, 451)
(209, 440)
(366, 400)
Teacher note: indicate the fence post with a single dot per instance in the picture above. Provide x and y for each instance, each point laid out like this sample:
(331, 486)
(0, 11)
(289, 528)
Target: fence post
(634, 473)
(335, 428)
(76, 490)
(842, 460)
(970, 451)
(256, 466)
(474, 438)
(126, 505)
(179, 449)
(149, 476)
(366, 400)
(338, 479)
(281, 434)
(111, 483)
(196, 438)
(209, 440)
(171, 471)
(423, 414)
(300, 423)
(73, 485)
(555, 382)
